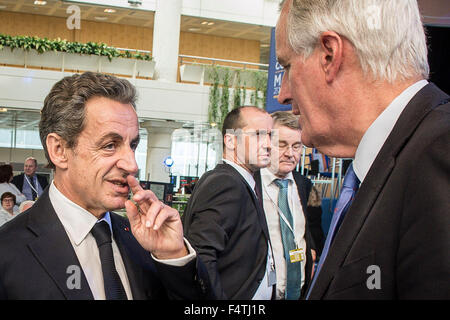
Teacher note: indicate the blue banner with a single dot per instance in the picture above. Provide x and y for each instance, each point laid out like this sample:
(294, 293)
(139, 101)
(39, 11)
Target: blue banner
(276, 72)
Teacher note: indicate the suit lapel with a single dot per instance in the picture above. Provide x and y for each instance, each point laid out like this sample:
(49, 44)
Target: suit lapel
(259, 209)
(53, 250)
(416, 110)
(124, 238)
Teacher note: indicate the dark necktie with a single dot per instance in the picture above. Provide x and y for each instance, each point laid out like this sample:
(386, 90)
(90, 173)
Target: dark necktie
(348, 192)
(33, 188)
(293, 269)
(113, 286)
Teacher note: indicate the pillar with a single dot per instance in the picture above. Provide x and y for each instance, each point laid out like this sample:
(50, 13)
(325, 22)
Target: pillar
(166, 39)
(159, 146)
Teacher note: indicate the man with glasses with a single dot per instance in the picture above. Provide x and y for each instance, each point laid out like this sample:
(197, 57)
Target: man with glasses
(224, 219)
(285, 195)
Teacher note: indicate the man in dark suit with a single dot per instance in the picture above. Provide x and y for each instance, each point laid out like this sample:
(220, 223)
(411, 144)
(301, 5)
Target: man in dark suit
(359, 86)
(31, 184)
(224, 219)
(285, 195)
(70, 245)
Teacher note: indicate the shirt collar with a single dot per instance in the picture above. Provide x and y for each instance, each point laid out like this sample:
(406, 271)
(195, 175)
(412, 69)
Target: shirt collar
(267, 177)
(378, 132)
(244, 173)
(77, 221)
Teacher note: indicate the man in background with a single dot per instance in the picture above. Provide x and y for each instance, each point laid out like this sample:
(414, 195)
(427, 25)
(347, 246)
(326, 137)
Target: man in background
(224, 219)
(285, 195)
(31, 184)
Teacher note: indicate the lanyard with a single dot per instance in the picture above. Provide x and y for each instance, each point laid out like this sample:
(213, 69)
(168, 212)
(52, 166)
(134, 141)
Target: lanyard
(281, 214)
(29, 183)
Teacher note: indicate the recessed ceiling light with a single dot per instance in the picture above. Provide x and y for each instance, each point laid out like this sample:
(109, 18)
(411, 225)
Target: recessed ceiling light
(108, 10)
(100, 18)
(205, 22)
(210, 23)
(265, 45)
(194, 29)
(3, 110)
(40, 3)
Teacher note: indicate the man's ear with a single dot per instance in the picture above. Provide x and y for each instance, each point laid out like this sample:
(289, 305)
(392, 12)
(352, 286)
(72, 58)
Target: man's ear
(331, 54)
(57, 150)
(229, 140)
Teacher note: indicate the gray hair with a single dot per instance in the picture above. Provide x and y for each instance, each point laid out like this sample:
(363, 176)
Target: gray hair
(64, 107)
(285, 119)
(388, 35)
(32, 158)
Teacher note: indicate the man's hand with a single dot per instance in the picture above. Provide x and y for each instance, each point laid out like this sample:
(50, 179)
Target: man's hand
(156, 227)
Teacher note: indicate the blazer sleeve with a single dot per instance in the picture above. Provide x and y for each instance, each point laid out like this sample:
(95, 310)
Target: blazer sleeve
(211, 216)
(423, 257)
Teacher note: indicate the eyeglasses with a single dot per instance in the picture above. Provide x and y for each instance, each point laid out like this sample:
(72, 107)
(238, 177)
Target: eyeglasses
(8, 200)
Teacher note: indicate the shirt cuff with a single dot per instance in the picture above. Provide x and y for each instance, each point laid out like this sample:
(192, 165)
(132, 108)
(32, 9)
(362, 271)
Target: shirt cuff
(180, 262)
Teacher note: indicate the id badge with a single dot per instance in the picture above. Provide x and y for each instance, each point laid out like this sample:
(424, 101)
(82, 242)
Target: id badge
(296, 255)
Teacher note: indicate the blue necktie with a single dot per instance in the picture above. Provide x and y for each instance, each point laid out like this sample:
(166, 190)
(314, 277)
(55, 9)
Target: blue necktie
(293, 270)
(348, 191)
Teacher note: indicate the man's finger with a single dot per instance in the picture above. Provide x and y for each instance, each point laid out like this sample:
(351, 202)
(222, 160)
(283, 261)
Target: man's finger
(153, 212)
(163, 215)
(133, 184)
(132, 213)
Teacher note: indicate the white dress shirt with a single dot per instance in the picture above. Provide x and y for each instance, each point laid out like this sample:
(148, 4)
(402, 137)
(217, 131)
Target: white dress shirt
(375, 137)
(5, 216)
(78, 223)
(270, 192)
(264, 291)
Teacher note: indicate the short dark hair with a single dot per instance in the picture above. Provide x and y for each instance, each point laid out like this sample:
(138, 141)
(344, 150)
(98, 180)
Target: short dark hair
(6, 172)
(233, 119)
(64, 107)
(8, 194)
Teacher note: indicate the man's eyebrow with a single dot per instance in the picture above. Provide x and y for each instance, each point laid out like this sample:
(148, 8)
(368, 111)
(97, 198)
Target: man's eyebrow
(110, 136)
(116, 137)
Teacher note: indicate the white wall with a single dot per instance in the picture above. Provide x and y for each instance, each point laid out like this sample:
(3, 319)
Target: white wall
(27, 88)
(259, 12)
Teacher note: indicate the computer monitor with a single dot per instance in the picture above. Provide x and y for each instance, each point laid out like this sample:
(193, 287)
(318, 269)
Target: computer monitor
(163, 191)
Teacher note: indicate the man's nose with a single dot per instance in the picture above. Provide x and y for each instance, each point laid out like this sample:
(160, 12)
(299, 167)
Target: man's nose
(127, 162)
(284, 97)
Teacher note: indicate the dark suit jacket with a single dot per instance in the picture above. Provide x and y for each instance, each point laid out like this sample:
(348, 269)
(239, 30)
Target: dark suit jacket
(228, 229)
(303, 188)
(18, 181)
(394, 241)
(36, 252)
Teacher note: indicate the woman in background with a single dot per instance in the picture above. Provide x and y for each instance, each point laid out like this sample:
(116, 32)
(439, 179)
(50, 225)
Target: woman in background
(7, 211)
(6, 175)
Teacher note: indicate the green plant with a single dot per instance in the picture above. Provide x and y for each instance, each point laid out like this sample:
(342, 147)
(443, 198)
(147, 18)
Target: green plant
(237, 90)
(225, 96)
(213, 112)
(42, 45)
(260, 80)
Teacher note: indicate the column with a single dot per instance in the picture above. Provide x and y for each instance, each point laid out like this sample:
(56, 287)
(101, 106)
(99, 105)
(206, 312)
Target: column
(166, 39)
(159, 146)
